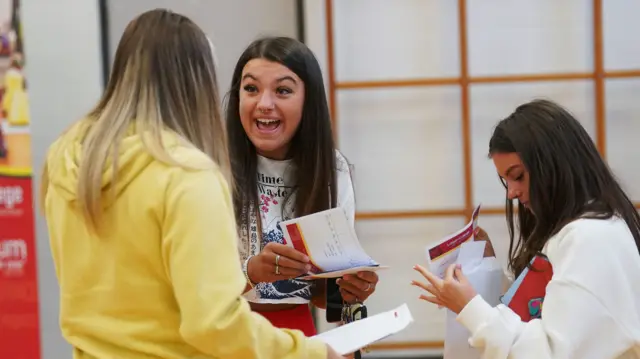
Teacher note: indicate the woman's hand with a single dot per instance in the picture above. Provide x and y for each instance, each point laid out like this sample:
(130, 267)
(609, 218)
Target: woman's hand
(357, 288)
(481, 235)
(454, 292)
(277, 262)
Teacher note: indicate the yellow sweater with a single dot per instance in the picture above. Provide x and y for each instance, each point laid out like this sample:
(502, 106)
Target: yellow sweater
(164, 279)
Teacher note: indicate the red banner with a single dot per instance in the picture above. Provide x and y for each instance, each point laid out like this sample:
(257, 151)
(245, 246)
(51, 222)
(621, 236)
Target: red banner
(19, 322)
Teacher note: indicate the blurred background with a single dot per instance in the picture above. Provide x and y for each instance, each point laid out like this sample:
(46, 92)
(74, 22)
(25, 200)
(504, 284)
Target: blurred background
(416, 87)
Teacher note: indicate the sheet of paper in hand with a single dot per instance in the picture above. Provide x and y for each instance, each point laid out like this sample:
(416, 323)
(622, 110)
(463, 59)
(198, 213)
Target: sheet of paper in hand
(348, 338)
(445, 252)
(330, 242)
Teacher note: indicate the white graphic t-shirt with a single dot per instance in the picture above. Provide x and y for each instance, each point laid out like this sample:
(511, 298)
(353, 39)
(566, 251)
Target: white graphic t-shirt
(274, 185)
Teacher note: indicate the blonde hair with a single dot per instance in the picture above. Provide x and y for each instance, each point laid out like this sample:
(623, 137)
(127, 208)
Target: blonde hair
(163, 78)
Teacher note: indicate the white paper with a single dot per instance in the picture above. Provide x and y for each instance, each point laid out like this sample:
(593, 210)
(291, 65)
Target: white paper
(486, 277)
(484, 274)
(341, 273)
(354, 336)
(445, 253)
(329, 241)
(470, 255)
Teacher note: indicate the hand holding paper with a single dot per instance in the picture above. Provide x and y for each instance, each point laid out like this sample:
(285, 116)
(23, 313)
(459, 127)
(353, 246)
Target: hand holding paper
(459, 269)
(277, 262)
(452, 292)
(357, 287)
(445, 252)
(330, 242)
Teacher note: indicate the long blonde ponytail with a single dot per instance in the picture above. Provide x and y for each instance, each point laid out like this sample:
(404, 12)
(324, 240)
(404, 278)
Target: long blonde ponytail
(163, 78)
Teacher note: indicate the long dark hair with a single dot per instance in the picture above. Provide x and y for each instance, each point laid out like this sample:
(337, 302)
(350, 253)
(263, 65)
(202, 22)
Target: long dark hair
(568, 178)
(312, 147)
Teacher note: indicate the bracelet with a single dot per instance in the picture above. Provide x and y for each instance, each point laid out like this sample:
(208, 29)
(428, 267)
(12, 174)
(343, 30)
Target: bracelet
(245, 266)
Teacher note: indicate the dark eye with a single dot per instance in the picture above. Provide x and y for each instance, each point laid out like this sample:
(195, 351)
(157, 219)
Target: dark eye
(284, 91)
(519, 177)
(250, 88)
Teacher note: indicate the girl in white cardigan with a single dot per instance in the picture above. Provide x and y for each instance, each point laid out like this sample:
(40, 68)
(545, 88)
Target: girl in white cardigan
(572, 212)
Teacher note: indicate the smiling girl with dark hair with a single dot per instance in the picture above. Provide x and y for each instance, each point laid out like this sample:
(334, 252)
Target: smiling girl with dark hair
(285, 165)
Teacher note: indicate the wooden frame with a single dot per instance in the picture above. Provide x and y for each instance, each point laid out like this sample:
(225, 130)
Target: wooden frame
(598, 75)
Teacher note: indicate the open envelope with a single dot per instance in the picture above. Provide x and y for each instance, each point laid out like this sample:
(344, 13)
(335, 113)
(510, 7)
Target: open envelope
(486, 276)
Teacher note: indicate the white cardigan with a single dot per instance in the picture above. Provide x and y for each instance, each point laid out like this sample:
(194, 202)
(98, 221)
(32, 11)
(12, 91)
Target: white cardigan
(591, 309)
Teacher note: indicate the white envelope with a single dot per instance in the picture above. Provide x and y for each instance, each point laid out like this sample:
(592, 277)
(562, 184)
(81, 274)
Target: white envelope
(486, 276)
(354, 336)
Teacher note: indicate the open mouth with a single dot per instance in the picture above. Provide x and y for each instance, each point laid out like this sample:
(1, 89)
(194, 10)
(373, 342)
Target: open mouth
(267, 125)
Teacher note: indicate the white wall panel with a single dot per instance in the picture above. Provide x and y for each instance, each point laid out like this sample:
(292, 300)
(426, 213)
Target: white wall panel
(623, 127)
(405, 145)
(529, 36)
(398, 39)
(620, 23)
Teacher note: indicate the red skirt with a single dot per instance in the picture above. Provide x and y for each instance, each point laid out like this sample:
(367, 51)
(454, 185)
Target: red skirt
(298, 317)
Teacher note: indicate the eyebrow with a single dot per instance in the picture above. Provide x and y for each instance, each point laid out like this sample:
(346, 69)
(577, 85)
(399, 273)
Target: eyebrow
(283, 78)
(506, 174)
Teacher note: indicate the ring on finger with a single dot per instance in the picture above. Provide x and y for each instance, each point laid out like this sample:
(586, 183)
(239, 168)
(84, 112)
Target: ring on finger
(277, 265)
(368, 288)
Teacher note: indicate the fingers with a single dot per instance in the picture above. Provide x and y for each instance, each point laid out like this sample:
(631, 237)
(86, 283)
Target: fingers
(369, 277)
(353, 288)
(356, 282)
(286, 262)
(460, 276)
(428, 287)
(435, 281)
(433, 300)
(349, 297)
(288, 252)
(286, 273)
(273, 266)
(448, 274)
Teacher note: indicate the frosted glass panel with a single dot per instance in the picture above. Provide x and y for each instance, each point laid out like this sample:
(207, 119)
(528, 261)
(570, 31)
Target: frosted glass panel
(620, 22)
(623, 127)
(529, 36)
(491, 103)
(401, 244)
(405, 145)
(382, 39)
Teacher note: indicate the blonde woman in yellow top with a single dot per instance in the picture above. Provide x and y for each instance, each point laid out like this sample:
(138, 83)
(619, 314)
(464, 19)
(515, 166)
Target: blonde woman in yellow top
(138, 206)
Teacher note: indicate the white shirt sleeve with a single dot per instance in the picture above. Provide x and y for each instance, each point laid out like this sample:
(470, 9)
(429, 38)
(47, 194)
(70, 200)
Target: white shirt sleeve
(346, 195)
(586, 310)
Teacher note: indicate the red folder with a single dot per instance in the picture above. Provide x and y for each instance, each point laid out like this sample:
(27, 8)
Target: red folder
(526, 295)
